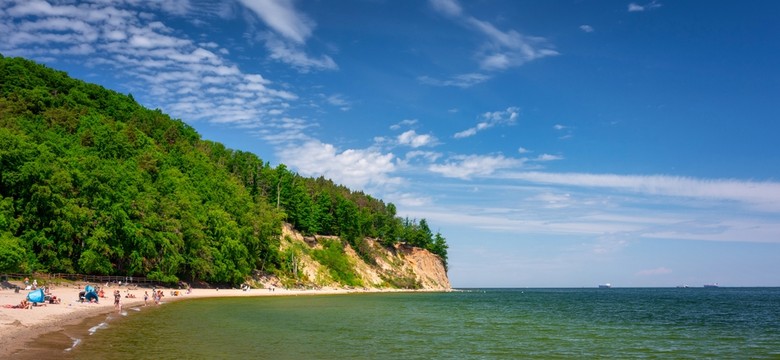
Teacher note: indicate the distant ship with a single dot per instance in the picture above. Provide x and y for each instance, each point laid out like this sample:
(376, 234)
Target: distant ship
(605, 286)
(711, 285)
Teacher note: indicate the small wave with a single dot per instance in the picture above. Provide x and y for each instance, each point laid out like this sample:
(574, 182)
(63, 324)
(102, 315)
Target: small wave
(135, 309)
(97, 327)
(123, 313)
(76, 342)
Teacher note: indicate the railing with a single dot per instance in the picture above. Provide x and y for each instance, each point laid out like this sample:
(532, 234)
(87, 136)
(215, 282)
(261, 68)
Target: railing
(96, 279)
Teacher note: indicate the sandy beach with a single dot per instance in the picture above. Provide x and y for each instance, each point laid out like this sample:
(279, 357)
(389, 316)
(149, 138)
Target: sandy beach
(18, 327)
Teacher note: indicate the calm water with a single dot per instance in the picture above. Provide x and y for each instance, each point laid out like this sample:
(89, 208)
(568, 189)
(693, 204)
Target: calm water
(476, 324)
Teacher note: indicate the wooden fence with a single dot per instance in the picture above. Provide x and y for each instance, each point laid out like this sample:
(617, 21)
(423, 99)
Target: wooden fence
(96, 279)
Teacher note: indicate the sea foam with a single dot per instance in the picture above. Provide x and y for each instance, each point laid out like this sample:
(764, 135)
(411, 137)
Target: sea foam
(97, 327)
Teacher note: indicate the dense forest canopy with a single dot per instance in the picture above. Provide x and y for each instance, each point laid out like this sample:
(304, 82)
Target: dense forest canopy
(92, 182)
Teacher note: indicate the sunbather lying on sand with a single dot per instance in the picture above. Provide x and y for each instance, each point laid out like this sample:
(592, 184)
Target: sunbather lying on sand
(22, 305)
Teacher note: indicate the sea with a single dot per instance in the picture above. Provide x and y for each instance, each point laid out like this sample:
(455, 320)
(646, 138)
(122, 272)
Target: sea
(616, 323)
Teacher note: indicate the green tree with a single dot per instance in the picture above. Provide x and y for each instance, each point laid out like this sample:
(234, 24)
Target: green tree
(12, 253)
(92, 182)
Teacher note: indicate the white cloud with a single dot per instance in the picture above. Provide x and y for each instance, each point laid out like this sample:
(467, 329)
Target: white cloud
(510, 48)
(162, 67)
(447, 7)
(291, 29)
(355, 168)
(553, 200)
(462, 81)
(762, 196)
(429, 156)
(41, 8)
(634, 7)
(491, 119)
(548, 157)
(294, 55)
(523, 150)
(566, 129)
(469, 166)
(339, 101)
(176, 7)
(503, 49)
(281, 16)
(587, 28)
(409, 200)
(405, 122)
(415, 140)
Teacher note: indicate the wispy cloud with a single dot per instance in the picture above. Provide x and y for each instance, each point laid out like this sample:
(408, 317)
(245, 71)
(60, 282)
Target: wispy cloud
(339, 101)
(614, 214)
(294, 55)
(133, 42)
(290, 30)
(764, 196)
(429, 156)
(587, 28)
(405, 122)
(447, 7)
(565, 130)
(551, 200)
(489, 120)
(462, 81)
(283, 18)
(468, 166)
(634, 7)
(548, 157)
(501, 49)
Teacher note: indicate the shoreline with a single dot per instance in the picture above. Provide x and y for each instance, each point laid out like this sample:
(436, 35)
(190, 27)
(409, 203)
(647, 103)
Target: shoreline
(20, 327)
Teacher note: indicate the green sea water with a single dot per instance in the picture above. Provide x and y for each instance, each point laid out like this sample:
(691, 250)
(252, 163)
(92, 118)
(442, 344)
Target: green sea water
(723, 323)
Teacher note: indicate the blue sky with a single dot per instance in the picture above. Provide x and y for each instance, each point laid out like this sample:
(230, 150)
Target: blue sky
(553, 143)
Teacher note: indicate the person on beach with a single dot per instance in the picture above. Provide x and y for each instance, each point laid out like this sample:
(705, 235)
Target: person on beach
(146, 298)
(117, 298)
(22, 305)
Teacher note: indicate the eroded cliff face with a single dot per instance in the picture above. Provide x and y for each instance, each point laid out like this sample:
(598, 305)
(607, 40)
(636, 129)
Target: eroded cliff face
(401, 267)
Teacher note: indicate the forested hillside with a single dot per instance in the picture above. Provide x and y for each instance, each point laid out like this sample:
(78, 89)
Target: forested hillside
(92, 182)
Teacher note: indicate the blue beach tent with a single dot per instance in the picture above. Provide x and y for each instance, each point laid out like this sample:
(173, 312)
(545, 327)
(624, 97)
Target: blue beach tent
(90, 293)
(36, 296)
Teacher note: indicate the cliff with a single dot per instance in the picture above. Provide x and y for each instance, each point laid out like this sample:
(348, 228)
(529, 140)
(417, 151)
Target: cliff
(403, 266)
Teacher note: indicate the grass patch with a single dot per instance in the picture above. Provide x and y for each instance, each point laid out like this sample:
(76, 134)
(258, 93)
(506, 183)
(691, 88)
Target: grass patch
(333, 257)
